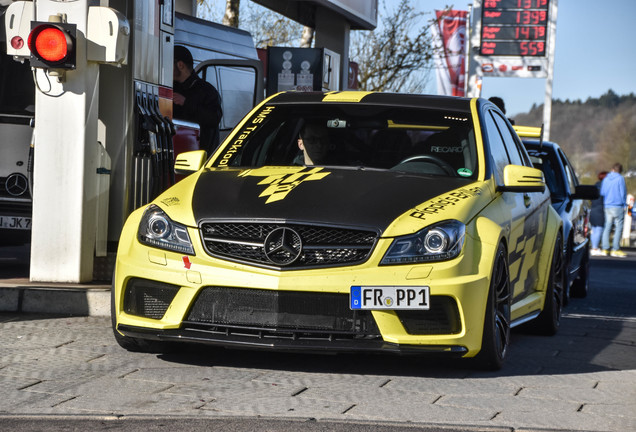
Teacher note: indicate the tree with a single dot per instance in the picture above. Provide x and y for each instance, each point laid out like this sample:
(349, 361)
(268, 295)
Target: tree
(307, 38)
(231, 17)
(396, 56)
(617, 142)
(266, 26)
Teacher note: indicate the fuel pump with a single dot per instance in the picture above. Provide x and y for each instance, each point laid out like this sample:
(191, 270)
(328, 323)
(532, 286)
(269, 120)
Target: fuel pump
(146, 158)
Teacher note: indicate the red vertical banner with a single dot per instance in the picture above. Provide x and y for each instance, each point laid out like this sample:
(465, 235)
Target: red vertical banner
(449, 42)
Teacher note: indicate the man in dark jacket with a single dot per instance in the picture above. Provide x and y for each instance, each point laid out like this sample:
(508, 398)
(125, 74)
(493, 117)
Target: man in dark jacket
(597, 219)
(196, 100)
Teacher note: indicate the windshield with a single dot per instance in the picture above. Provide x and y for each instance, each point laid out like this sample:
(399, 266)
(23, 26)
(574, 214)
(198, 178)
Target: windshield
(413, 140)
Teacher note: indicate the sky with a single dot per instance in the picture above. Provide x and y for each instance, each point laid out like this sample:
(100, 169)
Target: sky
(595, 51)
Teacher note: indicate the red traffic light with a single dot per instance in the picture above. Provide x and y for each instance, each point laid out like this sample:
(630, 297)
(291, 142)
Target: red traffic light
(52, 45)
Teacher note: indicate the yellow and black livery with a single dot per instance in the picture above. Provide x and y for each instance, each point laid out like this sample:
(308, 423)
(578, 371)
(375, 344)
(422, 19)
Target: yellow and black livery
(423, 228)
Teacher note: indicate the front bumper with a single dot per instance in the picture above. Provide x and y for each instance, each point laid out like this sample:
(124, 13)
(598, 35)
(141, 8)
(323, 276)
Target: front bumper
(237, 339)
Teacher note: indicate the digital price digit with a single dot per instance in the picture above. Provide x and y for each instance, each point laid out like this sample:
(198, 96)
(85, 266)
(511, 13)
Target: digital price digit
(516, 4)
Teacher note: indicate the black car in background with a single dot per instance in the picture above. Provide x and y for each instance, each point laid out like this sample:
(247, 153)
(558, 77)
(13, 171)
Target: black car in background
(570, 200)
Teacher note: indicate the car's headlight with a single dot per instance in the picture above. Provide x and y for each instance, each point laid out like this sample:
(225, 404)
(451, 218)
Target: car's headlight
(158, 230)
(439, 242)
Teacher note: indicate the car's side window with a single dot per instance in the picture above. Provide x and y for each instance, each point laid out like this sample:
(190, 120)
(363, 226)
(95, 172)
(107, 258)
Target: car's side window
(569, 172)
(497, 147)
(509, 140)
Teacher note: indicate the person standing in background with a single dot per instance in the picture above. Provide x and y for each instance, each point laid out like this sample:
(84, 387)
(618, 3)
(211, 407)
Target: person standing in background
(501, 105)
(614, 193)
(195, 100)
(597, 219)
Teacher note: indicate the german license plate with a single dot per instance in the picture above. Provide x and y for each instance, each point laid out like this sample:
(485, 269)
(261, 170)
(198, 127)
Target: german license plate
(389, 297)
(14, 222)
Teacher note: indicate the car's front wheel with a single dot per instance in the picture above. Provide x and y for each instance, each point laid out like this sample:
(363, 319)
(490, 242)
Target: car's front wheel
(549, 319)
(580, 285)
(566, 273)
(496, 334)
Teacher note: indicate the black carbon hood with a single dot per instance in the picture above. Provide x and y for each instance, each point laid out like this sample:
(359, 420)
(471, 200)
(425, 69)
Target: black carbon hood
(323, 195)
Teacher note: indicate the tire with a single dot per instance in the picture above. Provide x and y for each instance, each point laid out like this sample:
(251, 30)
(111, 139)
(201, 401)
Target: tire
(566, 274)
(134, 344)
(496, 334)
(549, 320)
(580, 286)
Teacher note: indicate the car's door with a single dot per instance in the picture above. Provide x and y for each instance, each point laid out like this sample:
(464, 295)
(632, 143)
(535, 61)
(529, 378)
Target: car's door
(527, 212)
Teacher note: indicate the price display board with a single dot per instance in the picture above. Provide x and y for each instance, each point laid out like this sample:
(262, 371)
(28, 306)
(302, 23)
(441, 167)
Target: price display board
(514, 28)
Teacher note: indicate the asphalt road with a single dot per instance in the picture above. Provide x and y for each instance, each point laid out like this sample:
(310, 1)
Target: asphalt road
(67, 373)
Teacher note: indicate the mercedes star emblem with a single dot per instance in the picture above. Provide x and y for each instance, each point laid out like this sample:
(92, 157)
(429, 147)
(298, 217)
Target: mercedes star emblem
(283, 246)
(16, 184)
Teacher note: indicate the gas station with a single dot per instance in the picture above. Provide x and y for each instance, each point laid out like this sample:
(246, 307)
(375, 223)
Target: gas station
(103, 138)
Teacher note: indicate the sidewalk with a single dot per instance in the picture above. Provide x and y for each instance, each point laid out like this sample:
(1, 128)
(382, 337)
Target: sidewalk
(18, 294)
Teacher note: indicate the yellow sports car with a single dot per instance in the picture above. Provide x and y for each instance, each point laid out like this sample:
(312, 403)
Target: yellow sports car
(347, 221)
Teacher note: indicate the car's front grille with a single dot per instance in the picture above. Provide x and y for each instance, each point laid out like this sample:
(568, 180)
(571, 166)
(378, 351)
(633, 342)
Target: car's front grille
(279, 314)
(148, 298)
(287, 246)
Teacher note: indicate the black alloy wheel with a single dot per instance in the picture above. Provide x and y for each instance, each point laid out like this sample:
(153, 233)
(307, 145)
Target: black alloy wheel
(548, 321)
(566, 274)
(580, 285)
(496, 335)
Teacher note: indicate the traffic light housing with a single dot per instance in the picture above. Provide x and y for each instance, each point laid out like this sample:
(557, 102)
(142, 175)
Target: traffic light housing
(52, 45)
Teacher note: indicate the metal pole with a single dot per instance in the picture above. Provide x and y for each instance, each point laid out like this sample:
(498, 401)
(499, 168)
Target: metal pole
(547, 103)
(473, 77)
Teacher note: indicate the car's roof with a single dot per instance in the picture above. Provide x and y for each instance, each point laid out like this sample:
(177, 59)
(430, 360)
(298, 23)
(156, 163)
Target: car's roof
(374, 98)
(536, 144)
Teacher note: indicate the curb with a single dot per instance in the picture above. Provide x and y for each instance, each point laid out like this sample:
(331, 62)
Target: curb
(78, 300)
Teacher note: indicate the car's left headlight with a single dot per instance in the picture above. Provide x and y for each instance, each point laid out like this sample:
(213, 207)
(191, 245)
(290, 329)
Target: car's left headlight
(442, 241)
(158, 230)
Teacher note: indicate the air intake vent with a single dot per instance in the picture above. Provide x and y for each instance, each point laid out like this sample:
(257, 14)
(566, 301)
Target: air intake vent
(148, 298)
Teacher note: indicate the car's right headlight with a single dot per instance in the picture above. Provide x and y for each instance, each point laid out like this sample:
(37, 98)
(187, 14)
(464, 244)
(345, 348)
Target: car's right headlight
(439, 242)
(158, 230)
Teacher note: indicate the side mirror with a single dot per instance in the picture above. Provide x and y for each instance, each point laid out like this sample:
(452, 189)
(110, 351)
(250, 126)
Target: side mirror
(586, 192)
(522, 179)
(189, 162)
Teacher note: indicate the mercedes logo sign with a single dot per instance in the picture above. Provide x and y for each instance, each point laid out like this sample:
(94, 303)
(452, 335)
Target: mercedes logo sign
(283, 246)
(16, 184)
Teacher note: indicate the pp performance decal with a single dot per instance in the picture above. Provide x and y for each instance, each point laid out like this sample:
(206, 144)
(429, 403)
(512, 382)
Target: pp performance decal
(249, 128)
(437, 205)
(282, 181)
